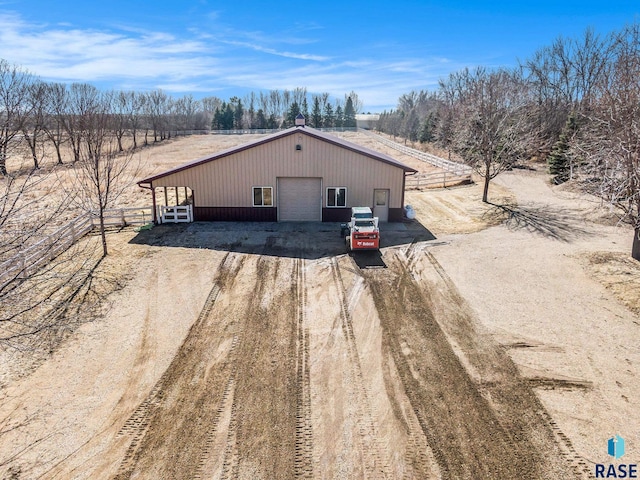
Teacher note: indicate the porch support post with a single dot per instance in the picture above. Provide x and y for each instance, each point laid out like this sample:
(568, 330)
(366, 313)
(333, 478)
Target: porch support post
(155, 208)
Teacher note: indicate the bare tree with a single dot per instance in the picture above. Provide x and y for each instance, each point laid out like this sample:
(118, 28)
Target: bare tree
(492, 131)
(120, 119)
(34, 125)
(611, 141)
(28, 292)
(18, 224)
(209, 104)
(82, 100)
(286, 100)
(251, 99)
(158, 106)
(15, 84)
(563, 77)
(408, 101)
(274, 104)
(56, 98)
(133, 109)
(186, 110)
(102, 174)
(299, 95)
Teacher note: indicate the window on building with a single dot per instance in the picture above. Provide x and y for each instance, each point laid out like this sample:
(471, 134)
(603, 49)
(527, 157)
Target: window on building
(337, 197)
(263, 196)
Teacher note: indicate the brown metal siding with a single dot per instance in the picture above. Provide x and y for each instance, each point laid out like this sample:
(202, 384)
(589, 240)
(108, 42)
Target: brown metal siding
(396, 214)
(336, 214)
(237, 214)
(227, 181)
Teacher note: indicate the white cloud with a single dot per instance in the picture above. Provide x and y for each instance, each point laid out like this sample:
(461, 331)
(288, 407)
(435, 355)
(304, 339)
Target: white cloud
(129, 58)
(271, 51)
(86, 55)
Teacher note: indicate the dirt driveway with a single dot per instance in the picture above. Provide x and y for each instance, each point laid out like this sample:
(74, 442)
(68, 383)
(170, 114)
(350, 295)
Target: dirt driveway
(264, 351)
(299, 364)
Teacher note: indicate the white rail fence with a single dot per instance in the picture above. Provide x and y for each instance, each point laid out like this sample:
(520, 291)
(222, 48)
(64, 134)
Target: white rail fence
(459, 169)
(248, 131)
(29, 260)
(435, 180)
(175, 214)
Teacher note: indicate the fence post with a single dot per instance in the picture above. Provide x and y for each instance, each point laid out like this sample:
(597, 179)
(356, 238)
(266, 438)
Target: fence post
(444, 179)
(124, 222)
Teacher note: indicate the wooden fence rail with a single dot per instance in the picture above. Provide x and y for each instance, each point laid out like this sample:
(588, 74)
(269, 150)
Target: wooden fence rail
(456, 168)
(435, 180)
(30, 259)
(245, 131)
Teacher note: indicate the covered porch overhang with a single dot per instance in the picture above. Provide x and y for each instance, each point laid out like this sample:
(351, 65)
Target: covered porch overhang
(171, 204)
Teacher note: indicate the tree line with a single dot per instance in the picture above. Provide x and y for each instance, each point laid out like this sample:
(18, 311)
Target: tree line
(34, 112)
(574, 104)
(278, 109)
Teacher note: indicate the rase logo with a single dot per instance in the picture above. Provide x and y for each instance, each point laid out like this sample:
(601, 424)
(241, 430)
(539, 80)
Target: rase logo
(616, 449)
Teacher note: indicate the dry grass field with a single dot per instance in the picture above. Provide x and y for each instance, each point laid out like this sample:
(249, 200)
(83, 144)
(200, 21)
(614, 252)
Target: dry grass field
(491, 341)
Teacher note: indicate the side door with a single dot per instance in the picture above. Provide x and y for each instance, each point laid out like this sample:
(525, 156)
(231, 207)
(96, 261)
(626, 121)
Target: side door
(381, 204)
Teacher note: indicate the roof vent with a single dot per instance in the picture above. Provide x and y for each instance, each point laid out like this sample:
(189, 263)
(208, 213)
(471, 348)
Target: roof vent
(300, 120)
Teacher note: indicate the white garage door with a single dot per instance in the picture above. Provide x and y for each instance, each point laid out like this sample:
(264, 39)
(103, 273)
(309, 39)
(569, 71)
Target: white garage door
(299, 199)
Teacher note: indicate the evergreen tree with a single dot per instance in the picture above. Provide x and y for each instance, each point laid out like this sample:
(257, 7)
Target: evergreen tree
(427, 130)
(559, 161)
(216, 122)
(272, 122)
(339, 117)
(329, 119)
(316, 113)
(227, 117)
(292, 113)
(261, 120)
(349, 114)
(238, 115)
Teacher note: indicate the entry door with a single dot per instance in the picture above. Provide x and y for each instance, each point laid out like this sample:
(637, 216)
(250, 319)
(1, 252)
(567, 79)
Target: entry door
(381, 204)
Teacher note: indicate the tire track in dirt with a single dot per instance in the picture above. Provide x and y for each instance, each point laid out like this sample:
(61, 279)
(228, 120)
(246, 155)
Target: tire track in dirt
(468, 437)
(169, 429)
(373, 464)
(229, 465)
(304, 433)
(566, 450)
(267, 392)
(217, 441)
(235, 401)
(418, 455)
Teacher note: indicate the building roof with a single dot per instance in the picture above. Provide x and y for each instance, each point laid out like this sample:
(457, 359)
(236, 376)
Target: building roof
(311, 132)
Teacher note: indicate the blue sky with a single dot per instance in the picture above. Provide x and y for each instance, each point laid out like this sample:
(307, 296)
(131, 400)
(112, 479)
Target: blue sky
(379, 49)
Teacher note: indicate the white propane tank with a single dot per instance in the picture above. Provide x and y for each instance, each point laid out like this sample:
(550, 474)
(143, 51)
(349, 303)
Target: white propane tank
(409, 212)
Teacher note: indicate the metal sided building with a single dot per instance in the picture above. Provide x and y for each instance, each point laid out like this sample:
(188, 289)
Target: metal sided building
(298, 174)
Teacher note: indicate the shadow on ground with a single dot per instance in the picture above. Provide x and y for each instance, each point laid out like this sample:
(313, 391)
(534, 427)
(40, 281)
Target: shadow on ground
(370, 259)
(545, 220)
(309, 240)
